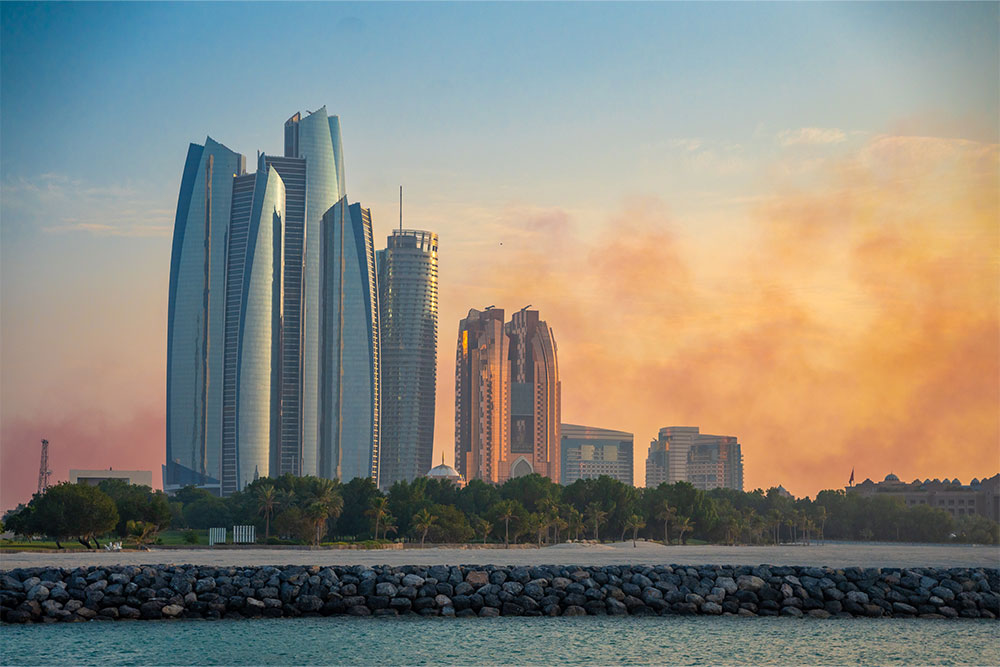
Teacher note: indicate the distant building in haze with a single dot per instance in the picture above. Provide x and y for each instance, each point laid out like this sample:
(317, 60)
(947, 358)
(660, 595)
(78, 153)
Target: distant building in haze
(507, 397)
(950, 495)
(408, 318)
(588, 452)
(682, 454)
(256, 259)
(95, 477)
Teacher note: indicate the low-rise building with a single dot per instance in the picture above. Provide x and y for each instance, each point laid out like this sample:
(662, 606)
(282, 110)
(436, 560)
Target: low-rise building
(95, 477)
(682, 454)
(589, 452)
(977, 497)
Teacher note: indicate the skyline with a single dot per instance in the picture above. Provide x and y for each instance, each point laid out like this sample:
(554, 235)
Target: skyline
(789, 237)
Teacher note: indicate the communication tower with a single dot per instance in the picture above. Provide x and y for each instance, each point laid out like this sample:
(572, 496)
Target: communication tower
(43, 469)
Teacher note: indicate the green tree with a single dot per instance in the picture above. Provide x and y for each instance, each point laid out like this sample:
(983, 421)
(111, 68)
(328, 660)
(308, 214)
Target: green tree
(422, 521)
(378, 510)
(506, 511)
(267, 502)
(683, 525)
(484, 527)
(574, 521)
(359, 495)
(596, 515)
(665, 513)
(137, 503)
(635, 523)
(79, 510)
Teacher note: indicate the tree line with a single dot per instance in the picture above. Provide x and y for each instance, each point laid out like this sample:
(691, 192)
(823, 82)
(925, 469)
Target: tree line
(301, 510)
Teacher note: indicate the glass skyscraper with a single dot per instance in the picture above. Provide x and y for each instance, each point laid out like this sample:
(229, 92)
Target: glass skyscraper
(589, 452)
(246, 297)
(408, 318)
(349, 359)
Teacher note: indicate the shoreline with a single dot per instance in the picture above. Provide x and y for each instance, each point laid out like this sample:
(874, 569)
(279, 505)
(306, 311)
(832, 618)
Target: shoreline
(618, 553)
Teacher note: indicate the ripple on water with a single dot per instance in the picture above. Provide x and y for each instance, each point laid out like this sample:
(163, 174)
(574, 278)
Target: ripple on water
(510, 641)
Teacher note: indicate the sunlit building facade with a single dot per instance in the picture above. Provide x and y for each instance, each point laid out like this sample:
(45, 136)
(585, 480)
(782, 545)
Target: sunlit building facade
(683, 454)
(507, 397)
(588, 452)
(246, 297)
(408, 319)
(349, 359)
(535, 400)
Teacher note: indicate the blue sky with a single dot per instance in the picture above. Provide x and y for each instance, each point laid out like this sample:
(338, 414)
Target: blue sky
(495, 117)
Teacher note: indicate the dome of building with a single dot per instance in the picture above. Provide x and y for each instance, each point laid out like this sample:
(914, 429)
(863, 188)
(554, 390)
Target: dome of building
(891, 478)
(445, 471)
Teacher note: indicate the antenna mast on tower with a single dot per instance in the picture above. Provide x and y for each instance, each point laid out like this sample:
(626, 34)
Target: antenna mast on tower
(43, 468)
(400, 208)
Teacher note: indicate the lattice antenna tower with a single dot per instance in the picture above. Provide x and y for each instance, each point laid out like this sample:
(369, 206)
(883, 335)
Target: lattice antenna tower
(43, 468)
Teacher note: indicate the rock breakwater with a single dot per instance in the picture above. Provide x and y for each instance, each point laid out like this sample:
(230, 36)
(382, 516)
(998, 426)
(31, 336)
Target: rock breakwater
(190, 591)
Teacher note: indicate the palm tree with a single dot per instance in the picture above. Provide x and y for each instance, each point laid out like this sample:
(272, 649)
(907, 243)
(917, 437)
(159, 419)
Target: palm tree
(483, 526)
(774, 521)
(378, 510)
(560, 524)
(317, 512)
(574, 521)
(684, 524)
(820, 517)
(422, 521)
(666, 514)
(506, 510)
(389, 525)
(267, 500)
(634, 522)
(597, 515)
(548, 510)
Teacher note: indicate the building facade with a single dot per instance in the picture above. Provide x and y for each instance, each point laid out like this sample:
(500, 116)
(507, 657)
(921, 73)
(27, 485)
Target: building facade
(408, 321)
(977, 497)
(95, 477)
(245, 298)
(683, 454)
(507, 397)
(482, 397)
(588, 452)
(349, 331)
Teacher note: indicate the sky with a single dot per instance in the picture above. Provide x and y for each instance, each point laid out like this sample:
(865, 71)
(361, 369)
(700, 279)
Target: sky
(777, 221)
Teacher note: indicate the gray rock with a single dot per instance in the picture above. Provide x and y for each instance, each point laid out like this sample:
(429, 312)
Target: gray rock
(491, 612)
(711, 608)
(86, 612)
(945, 594)
(727, 584)
(749, 582)
(903, 608)
(442, 601)
(386, 589)
(857, 597)
(413, 580)
(171, 610)
(38, 593)
(573, 610)
(791, 611)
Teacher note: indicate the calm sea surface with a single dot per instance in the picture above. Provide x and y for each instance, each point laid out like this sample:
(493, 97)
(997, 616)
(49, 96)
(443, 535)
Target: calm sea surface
(506, 641)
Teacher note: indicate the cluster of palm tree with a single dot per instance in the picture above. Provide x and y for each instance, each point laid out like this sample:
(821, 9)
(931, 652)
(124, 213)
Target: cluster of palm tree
(321, 503)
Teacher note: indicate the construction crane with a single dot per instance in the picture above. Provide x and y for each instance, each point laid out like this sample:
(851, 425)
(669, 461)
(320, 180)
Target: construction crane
(43, 469)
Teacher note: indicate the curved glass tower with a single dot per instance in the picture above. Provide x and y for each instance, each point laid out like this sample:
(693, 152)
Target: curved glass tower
(258, 261)
(408, 316)
(349, 360)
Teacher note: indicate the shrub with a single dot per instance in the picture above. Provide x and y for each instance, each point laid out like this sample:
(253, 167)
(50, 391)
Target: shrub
(190, 537)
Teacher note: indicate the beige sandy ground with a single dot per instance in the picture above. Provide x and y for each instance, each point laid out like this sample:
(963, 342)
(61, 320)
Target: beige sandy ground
(833, 555)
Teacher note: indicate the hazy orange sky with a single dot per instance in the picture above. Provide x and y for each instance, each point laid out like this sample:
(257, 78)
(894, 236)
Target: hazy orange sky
(788, 234)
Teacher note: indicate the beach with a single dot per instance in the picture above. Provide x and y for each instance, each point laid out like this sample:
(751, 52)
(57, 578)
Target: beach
(836, 555)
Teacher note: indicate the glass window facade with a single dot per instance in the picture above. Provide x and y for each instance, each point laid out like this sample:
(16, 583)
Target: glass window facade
(408, 319)
(588, 452)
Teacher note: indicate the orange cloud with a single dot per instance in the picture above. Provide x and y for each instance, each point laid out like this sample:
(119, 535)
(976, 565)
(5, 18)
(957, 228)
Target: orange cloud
(860, 329)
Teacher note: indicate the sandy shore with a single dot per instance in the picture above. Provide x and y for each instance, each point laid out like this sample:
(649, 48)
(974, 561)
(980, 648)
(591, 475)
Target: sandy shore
(833, 555)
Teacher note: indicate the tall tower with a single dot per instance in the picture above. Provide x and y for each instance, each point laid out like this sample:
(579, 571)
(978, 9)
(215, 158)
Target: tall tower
(408, 319)
(482, 395)
(349, 437)
(534, 399)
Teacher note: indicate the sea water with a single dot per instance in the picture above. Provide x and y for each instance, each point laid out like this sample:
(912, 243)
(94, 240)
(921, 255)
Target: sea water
(506, 641)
